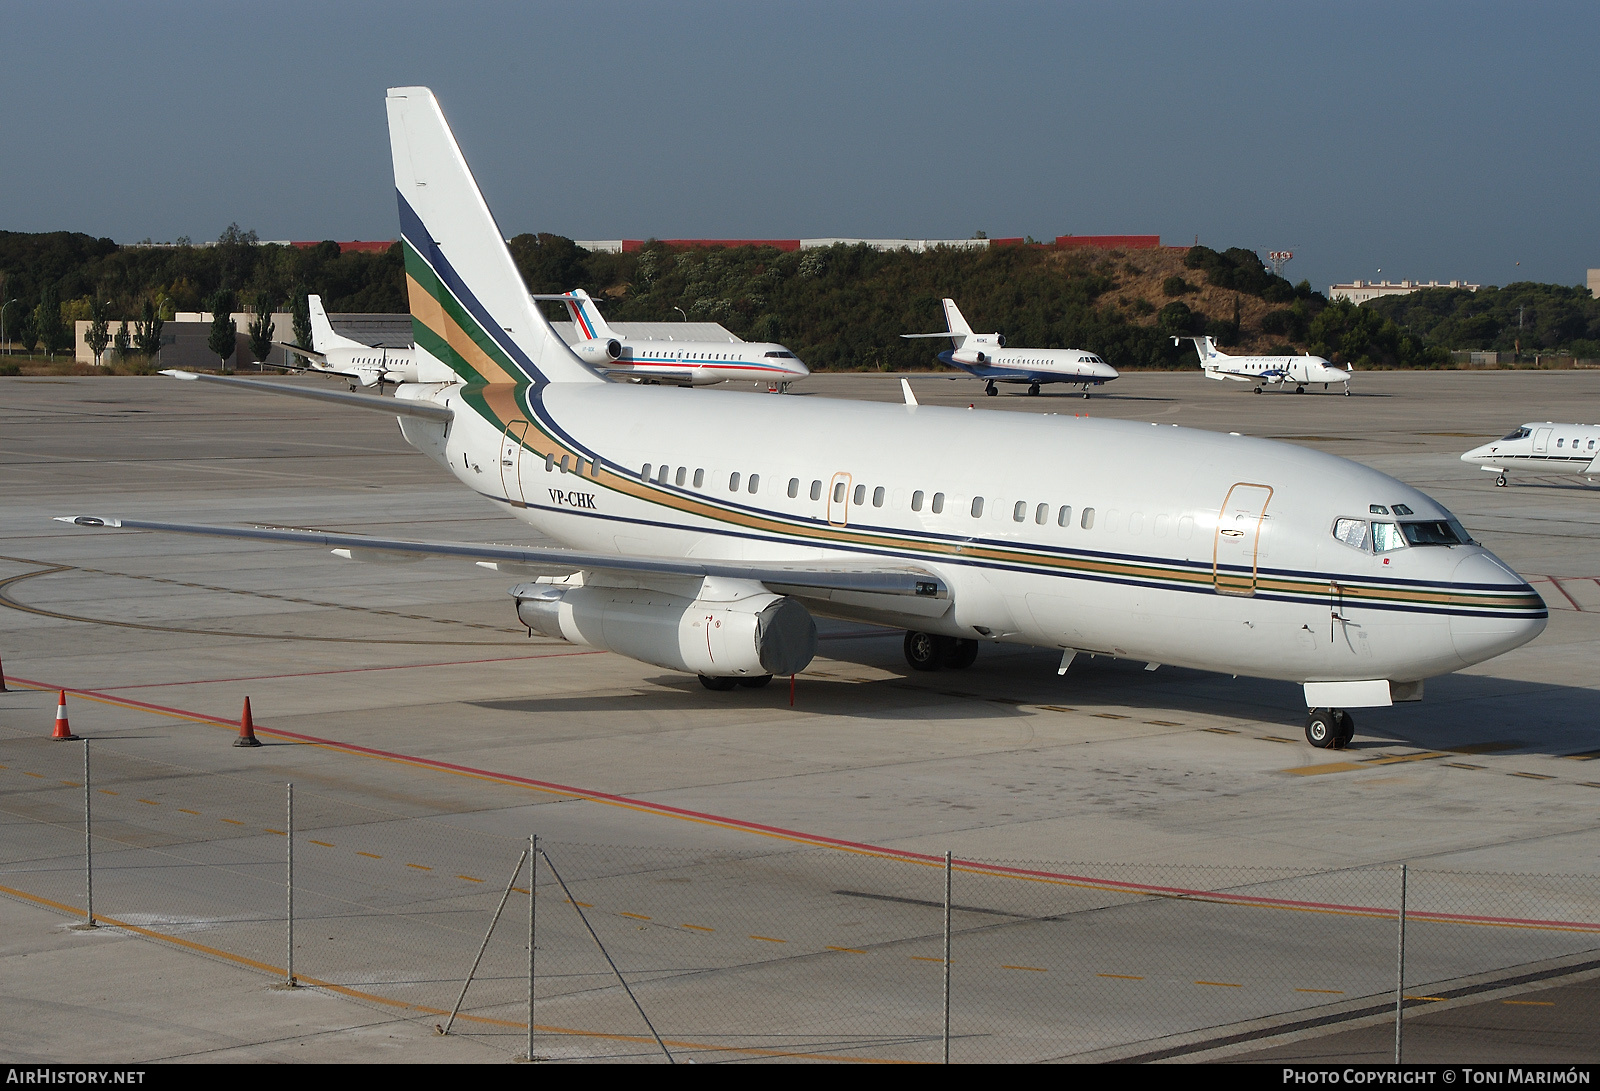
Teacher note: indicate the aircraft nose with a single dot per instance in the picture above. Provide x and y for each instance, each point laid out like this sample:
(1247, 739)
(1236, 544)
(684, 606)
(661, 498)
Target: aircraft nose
(1476, 454)
(1495, 609)
(1106, 372)
(799, 370)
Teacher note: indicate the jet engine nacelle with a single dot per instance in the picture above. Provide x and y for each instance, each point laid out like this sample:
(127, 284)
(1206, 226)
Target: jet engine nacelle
(749, 637)
(599, 350)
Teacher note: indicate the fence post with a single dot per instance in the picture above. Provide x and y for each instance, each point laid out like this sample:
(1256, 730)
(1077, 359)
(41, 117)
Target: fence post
(289, 883)
(947, 958)
(88, 843)
(1400, 969)
(533, 879)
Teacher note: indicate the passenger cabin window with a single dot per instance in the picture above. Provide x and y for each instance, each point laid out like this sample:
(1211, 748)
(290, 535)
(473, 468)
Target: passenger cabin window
(733, 482)
(661, 475)
(860, 496)
(679, 477)
(755, 483)
(816, 490)
(594, 470)
(1019, 511)
(644, 474)
(838, 492)
(1087, 522)
(977, 507)
(550, 464)
(1041, 514)
(699, 478)
(1064, 516)
(564, 462)
(916, 500)
(877, 497)
(794, 487)
(938, 503)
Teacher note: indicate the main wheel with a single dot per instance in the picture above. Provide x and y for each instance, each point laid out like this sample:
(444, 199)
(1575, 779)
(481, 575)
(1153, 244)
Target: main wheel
(1258, 390)
(755, 681)
(1299, 390)
(1347, 729)
(718, 683)
(1033, 389)
(1322, 728)
(963, 653)
(926, 651)
(990, 390)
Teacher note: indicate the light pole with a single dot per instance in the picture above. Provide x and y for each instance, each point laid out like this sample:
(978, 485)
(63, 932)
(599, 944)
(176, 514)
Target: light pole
(3, 308)
(680, 311)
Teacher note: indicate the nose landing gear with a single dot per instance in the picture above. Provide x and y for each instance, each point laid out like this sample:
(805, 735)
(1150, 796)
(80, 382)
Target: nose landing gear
(1501, 481)
(1329, 728)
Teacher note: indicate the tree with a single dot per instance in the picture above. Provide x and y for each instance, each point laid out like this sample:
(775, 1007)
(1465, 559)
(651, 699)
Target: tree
(147, 331)
(224, 337)
(99, 336)
(302, 317)
(47, 319)
(27, 334)
(122, 341)
(261, 329)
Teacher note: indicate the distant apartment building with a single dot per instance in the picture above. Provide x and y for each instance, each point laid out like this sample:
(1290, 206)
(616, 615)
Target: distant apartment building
(1360, 291)
(1594, 283)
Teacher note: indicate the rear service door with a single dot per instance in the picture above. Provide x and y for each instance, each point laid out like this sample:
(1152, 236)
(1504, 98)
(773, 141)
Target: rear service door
(1238, 538)
(512, 458)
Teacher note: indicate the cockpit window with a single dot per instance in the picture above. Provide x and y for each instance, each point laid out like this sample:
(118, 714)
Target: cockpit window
(1352, 532)
(779, 355)
(1520, 433)
(1401, 509)
(1432, 533)
(1385, 537)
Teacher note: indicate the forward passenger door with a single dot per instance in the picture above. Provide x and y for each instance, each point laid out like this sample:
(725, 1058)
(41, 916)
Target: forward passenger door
(1238, 539)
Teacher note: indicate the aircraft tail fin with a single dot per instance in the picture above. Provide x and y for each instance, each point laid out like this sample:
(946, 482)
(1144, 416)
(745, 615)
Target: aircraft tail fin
(469, 306)
(958, 324)
(586, 315)
(1206, 347)
(323, 336)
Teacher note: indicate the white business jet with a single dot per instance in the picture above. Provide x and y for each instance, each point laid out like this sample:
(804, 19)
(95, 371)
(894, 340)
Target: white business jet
(985, 356)
(703, 530)
(1277, 370)
(675, 363)
(1546, 447)
(363, 365)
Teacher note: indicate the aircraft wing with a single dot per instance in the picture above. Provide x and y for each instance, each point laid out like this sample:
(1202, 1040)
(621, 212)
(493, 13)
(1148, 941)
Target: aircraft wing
(400, 407)
(319, 357)
(867, 577)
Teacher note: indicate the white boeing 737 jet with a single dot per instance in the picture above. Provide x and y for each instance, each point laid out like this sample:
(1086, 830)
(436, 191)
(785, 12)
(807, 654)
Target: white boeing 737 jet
(1545, 447)
(1277, 370)
(703, 530)
(985, 356)
(363, 365)
(675, 363)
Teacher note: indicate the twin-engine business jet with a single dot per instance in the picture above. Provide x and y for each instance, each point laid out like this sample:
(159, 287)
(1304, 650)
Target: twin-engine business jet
(1277, 370)
(364, 365)
(985, 356)
(676, 363)
(1544, 447)
(707, 528)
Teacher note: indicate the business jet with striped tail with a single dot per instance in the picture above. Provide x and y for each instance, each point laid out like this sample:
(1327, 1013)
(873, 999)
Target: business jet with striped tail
(985, 356)
(701, 531)
(1277, 370)
(675, 363)
(363, 364)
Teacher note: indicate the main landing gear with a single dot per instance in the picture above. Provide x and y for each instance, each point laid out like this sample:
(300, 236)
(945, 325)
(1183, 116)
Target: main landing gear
(1299, 390)
(990, 390)
(1258, 390)
(931, 652)
(1033, 389)
(1329, 728)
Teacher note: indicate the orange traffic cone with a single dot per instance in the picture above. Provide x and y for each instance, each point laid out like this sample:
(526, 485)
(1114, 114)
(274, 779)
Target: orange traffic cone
(63, 729)
(247, 728)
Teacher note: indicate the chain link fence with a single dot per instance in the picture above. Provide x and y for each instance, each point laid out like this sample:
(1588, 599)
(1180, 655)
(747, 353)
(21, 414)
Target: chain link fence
(787, 952)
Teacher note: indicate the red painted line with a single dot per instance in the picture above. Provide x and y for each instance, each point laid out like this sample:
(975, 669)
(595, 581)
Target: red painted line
(811, 838)
(1557, 585)
(350, 670)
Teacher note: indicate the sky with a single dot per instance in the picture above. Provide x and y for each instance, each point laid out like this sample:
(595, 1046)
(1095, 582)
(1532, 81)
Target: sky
(1426, 140)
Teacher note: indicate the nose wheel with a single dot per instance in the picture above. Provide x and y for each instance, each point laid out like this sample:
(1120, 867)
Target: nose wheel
(1329, 728)
(1501, 481)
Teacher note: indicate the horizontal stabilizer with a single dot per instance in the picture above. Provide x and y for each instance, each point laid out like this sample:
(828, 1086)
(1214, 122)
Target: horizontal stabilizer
(845, 576)
(319, 357)
(400, 407)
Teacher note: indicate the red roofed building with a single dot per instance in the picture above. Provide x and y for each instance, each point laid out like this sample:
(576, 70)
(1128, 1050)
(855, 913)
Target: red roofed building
(376, 247)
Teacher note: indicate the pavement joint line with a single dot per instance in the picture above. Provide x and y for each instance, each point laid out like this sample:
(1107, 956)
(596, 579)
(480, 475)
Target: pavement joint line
(1121, 977)
(697, 927)
(815, 840)
(358, 994)
(1222, 984)
(1035, 969)
(1331, 992)
(1531, 1003)
(370, 855)
(767, 939)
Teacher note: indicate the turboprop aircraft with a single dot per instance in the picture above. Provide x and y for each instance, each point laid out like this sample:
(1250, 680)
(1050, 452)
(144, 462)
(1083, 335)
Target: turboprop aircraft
(363, 365)
(1277, 370)
(704, 529)
(1545, 447)
(675, 363)
(985, 356)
